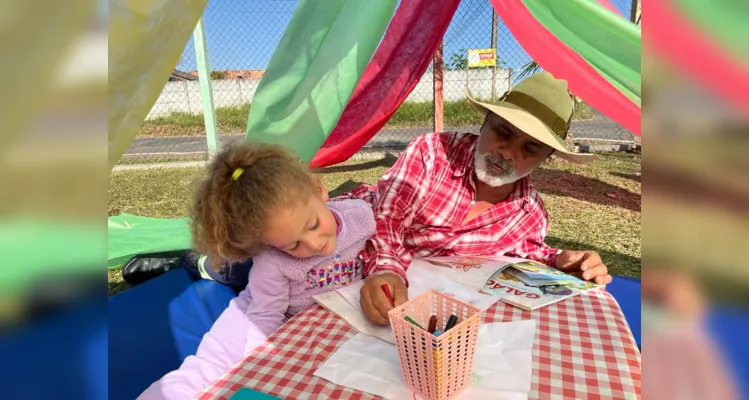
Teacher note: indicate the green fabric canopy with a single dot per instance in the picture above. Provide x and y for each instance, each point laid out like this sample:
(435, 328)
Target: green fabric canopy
(130, 235)
(314, 71)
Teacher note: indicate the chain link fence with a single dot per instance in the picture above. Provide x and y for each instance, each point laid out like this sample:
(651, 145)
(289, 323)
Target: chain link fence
(241, 38)
(476, 26)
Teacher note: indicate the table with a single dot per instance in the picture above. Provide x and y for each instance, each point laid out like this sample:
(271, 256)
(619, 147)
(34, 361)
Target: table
(583, 349)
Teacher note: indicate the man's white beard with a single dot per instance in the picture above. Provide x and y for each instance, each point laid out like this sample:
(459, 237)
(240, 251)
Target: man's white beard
(481, 165)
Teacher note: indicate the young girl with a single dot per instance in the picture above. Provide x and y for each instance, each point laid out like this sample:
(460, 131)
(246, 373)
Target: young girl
(260, 201)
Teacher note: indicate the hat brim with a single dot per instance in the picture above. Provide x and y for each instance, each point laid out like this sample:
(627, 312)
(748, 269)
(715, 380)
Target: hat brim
(533, 127)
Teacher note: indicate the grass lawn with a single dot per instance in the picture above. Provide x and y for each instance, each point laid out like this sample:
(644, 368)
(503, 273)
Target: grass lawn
(594, 207)
(409, 115)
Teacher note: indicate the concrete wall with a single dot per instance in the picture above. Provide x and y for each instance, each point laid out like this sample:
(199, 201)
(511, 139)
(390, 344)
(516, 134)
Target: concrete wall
(184, 96)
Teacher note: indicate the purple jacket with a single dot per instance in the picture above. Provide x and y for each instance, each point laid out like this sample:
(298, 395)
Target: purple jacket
(279, 287)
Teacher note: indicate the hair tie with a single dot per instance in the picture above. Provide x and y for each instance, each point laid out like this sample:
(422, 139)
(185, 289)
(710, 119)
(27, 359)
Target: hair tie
(237, 173)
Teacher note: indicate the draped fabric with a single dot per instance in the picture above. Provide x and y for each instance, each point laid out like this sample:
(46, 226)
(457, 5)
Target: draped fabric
(707, 41)
(595, 50)
(314, 70)
(401, 59)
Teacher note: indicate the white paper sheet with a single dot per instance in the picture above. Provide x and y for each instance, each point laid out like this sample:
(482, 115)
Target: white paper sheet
(474, 276)
(337, 304)
(421, 279)
(463, 284)
(502, 368)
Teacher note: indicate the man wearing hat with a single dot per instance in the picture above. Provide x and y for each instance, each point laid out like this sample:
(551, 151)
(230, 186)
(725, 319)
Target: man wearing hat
(451, 194)
(461, 194)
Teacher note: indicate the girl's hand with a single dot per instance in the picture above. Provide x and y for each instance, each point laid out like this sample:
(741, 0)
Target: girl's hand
(375, 303)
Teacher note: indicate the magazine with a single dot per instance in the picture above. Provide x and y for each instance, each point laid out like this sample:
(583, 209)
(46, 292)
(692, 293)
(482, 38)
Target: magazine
(536, 274)
(531, 285)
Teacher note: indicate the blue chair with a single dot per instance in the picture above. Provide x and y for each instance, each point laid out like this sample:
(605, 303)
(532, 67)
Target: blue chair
(153, 327)
(60, 355)
(728, 326)
(626, 291)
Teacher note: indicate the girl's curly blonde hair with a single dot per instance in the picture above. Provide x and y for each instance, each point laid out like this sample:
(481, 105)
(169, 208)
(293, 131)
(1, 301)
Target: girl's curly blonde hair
(229, 216)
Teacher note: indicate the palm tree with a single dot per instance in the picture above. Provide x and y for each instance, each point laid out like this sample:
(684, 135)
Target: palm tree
(528, 70)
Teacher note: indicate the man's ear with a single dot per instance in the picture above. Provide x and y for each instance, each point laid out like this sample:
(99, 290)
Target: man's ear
(321, 190)
(486, 119)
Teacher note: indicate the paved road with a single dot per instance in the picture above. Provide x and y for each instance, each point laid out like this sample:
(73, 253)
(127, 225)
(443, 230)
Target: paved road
(600, 127)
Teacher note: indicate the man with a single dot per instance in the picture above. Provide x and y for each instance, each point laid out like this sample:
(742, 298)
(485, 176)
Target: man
(462, 194)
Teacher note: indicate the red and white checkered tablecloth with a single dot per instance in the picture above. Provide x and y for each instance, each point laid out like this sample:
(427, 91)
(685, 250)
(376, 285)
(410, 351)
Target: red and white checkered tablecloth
(583, 349)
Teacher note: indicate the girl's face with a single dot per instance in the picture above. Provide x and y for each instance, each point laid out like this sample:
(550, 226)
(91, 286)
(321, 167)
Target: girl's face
(304, 230)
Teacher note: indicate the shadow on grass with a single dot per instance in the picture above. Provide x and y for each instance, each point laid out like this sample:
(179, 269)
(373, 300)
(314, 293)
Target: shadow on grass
(347, 186)
(387, 162)
(620, 155)
(636, 178)
(563, 183)
(618, 263)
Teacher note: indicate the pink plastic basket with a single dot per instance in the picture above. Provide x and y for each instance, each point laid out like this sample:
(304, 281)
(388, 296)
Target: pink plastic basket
(437, 368)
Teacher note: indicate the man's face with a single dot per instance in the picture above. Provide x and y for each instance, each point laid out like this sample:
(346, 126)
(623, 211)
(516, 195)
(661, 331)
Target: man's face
(505, 154)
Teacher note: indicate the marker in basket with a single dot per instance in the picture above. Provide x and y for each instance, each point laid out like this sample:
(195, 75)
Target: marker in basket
(451, 322)
(385, 288)
(407, 318)
(432, 324)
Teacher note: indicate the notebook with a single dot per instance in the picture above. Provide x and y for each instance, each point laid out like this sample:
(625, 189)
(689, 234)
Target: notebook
(249, 394)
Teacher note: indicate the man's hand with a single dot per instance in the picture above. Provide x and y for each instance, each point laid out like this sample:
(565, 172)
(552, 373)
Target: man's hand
(587, 264)
(375, 303)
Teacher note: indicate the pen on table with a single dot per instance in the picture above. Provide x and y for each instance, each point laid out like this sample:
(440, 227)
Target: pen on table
(451, 322)
(385, 288)
(432, 324)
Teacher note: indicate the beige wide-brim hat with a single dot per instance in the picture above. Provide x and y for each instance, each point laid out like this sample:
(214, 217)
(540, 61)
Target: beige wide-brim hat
(541, 107)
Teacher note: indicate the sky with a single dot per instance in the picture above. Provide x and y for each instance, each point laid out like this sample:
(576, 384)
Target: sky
(242, 34)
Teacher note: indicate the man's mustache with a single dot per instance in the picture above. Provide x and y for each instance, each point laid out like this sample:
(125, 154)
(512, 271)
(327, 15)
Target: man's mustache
(496, 159)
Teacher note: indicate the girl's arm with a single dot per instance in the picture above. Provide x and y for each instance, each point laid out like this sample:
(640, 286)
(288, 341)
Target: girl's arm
(269, 289)
(250, 318)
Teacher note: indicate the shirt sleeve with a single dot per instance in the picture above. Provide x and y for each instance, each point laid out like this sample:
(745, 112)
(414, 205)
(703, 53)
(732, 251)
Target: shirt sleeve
(399, 195)
(220, 348)
(533, 247)
(242, 327)
(270, 301)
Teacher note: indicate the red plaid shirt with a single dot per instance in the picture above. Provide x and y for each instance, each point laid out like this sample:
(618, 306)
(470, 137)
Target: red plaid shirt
(421, 202)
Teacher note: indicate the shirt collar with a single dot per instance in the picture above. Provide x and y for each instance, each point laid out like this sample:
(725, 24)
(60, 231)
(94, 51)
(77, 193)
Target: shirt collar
(465, 158)
(522, 192)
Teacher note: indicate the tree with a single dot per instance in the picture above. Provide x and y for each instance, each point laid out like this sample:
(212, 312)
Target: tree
(457, 61)
(215, 75)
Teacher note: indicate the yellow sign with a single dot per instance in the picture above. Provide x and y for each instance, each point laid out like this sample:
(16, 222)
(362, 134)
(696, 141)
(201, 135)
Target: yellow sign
(482, 58)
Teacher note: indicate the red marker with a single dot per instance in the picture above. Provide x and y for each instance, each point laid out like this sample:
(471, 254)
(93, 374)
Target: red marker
(385, 288)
